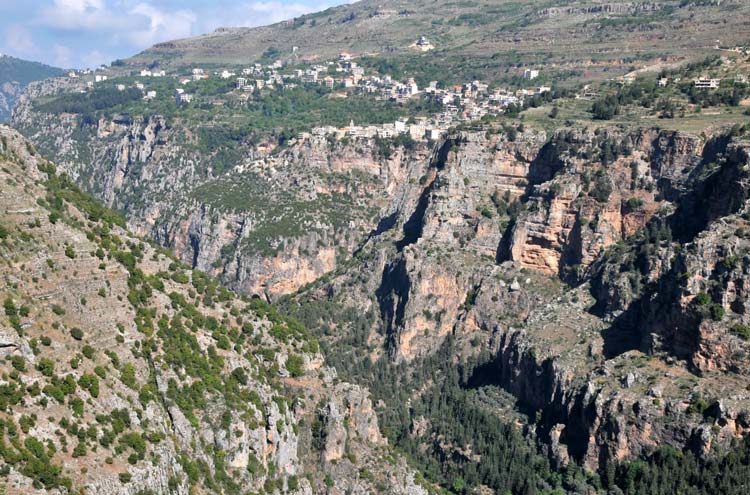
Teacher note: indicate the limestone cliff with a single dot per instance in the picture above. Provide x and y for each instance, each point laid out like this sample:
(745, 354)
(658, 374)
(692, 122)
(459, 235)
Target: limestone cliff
(598, 364)
(264, 220)
(126, 372)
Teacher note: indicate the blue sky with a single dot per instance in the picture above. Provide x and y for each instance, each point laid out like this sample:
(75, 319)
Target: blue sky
(86, 33)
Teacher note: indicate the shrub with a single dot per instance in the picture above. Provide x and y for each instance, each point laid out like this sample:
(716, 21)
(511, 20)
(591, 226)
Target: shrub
(127, 375)
(741, 330)
(46, 366)
(294, 365)
(702, 299)
(18, 363)
(717, 312)
(10, 307)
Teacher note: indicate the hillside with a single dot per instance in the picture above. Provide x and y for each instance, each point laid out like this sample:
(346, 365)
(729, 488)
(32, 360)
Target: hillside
(523, 254)
(125, 372)
(478, 37)
(15, 75)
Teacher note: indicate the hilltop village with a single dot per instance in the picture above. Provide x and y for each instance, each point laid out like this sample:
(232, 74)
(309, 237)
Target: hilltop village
(456, 104)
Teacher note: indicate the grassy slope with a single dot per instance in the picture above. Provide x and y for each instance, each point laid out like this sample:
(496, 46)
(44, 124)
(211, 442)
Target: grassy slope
(494, 34)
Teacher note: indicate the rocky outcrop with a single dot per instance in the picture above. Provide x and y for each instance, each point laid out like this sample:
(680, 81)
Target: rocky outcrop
(602, 378)
(608, 186)
(469, 240)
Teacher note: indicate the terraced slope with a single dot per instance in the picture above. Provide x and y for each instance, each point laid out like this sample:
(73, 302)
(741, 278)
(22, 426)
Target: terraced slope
(479, 36)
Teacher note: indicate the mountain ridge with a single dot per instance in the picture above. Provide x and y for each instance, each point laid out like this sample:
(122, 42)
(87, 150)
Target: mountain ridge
(590, 37)
(124, 372)
(15, 75)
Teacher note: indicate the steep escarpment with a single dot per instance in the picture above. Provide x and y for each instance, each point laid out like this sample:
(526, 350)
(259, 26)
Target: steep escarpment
(609, 185)
(263, 219)
(545, 271)
(602, 370)
(685, 292)
(126, 372)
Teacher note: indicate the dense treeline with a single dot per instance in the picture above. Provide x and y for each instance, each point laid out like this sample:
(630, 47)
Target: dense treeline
(642, 91)
(88, 103)
(668, 471)
(432, 415)
(435, 388)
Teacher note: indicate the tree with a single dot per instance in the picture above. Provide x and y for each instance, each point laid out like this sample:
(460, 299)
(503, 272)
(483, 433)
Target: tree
(605, 108)
(294, 365)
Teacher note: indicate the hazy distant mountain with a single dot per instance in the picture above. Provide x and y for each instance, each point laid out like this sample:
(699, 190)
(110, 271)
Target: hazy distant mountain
(15, 75)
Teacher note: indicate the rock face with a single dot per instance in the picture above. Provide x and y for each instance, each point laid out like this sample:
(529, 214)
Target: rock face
(264, 224)
(614, 364)
(600, 269)
(125, 372)
(608, 187)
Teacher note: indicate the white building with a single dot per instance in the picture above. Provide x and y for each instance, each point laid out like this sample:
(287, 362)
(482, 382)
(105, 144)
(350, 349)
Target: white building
(411, 87)
(706, 83)
(181, 96)
(423, 45)
(400, 125)
(433, 134)
(530, 74)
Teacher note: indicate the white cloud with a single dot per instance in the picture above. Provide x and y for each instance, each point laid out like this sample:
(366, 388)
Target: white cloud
(73, 15)
(269, 12)
(119, 26)
(86, 32)
(161, 25)
(19, 40)
(63, 56)
(260, 13)
(95, 58)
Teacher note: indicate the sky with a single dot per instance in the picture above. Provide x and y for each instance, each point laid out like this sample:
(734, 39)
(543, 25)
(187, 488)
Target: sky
(88, 33)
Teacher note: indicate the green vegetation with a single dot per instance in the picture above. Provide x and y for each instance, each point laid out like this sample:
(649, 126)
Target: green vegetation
(168, 339)
(279, 215)
(90, 102)
(22, 72)
(671, 100)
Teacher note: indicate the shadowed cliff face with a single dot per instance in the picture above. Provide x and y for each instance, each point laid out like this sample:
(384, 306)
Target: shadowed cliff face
(595, 358)
(682, 296)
